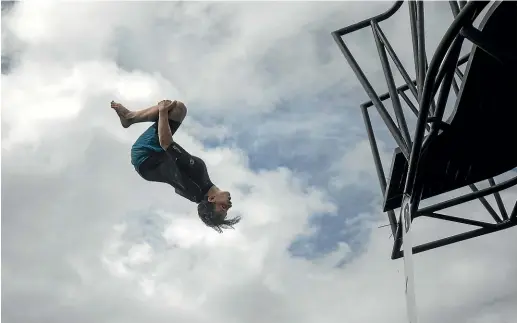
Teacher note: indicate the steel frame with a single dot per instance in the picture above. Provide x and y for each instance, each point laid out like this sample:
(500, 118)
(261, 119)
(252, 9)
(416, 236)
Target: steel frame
(443, 70)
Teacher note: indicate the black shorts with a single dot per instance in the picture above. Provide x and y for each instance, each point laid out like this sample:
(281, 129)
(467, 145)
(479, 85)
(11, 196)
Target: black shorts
(158, 167)
(186, 173)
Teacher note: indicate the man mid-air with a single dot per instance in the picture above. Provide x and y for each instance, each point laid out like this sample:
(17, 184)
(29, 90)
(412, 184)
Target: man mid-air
(158, 158)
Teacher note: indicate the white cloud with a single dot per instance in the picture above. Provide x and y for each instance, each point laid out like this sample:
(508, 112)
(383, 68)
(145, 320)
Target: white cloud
(86, 239)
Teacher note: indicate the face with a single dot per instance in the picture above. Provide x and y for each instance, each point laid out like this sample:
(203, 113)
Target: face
(222, 201)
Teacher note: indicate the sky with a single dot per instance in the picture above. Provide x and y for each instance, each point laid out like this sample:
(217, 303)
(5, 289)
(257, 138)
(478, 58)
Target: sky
(273, 110)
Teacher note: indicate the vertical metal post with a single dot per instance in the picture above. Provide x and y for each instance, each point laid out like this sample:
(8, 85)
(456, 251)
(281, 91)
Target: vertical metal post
(421, 46)
(414, 38)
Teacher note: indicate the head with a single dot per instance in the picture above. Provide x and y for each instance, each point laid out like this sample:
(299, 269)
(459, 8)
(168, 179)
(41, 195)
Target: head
(213, 211)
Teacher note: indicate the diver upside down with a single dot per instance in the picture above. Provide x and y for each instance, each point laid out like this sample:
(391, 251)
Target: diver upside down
(156, 157)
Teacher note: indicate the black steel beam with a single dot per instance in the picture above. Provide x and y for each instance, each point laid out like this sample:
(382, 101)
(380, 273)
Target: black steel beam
(378, 164)
(469, 197)
(422, 57)
(487, 205)
(488, 45)
(449, 65)
(412, 107)
(455, 8)
(399, 114)
(457, 238)
(411, 84)
(386, 95)
(414, 41)
(513, 216)
(498, 200)
(397, 243)
(431, 210)
(366, 22)
(457, 219)
(373, 96)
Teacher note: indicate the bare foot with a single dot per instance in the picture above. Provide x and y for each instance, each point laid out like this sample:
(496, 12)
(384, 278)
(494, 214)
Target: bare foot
(123, 113)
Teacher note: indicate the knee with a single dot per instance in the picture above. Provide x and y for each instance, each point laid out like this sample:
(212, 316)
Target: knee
(178, 112)
(182, 108)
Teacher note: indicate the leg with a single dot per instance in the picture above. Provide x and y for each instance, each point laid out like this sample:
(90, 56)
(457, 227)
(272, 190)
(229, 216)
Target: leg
(127, 117)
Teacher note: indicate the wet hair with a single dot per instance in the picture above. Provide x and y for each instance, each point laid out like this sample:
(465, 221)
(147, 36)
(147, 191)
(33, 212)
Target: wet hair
(213, 219)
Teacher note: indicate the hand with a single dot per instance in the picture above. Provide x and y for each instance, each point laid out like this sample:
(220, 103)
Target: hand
(164, 105)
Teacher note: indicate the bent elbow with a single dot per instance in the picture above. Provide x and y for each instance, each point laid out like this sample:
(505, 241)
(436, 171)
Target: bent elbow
(165, 143)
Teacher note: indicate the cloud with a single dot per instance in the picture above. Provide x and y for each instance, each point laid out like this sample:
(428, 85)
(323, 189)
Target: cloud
(273, 113)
